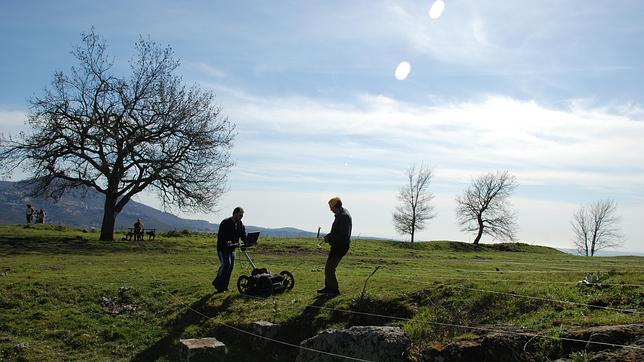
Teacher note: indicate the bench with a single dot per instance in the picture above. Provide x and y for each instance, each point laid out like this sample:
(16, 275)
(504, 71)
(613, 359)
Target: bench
(151, 233)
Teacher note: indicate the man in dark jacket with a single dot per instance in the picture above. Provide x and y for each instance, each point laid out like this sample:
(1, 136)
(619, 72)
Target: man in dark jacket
(230, 231)
(339, 238)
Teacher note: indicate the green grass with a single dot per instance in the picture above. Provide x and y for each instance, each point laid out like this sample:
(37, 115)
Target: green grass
(64, 295)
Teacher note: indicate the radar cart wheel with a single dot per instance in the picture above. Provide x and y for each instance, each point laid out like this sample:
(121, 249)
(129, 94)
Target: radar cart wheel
(289, 280)
(243, 284)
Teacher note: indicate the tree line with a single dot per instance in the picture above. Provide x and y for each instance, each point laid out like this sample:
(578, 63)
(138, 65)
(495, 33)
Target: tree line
(484, 208)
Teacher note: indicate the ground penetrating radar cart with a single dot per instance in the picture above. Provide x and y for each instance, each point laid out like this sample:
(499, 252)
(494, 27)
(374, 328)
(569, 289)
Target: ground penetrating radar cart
(261, 281)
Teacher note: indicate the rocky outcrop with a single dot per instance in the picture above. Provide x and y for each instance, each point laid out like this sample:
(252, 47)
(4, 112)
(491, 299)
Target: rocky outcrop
(629, 335)
(374, 343)
(503, 344)
(623, 334)
(508, 343)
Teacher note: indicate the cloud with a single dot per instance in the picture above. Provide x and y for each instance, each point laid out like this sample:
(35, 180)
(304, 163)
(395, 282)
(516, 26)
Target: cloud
(588, 147)
(12, 121)
(207, 69)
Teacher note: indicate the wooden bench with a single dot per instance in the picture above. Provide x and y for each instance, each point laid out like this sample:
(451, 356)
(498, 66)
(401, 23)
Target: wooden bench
(151, 233)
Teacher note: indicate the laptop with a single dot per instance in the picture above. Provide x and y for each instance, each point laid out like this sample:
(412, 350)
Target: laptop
(251, 239)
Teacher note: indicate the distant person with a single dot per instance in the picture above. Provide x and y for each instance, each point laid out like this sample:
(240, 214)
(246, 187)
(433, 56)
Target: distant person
(40, 216)
(30, 213)
(230, 231)
(339, 238)
(138, 230)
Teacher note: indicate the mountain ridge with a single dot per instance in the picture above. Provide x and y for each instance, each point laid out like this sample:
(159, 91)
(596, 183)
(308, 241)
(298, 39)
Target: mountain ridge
(83, 207)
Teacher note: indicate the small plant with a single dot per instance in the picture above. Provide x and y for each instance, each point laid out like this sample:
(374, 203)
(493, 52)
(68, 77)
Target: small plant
(124, 303)
(364, 288)
(594, 279)
(581, 356)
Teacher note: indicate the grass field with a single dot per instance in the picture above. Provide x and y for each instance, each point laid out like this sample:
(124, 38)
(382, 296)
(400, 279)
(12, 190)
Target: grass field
(66, 296)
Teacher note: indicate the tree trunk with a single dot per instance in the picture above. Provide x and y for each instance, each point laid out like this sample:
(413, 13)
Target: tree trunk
(480, 232)
(412, 234)
(109, 218)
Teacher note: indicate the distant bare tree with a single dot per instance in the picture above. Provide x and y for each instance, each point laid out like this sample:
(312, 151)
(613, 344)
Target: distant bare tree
(122, 135)
(484, 208)
(415, 198)
(596, 227)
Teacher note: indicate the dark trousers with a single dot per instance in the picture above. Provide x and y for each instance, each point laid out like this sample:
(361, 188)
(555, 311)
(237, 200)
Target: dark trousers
(226, 264)
(335, 255)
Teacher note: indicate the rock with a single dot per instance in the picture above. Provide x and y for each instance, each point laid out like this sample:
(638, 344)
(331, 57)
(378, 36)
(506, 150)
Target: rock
(621, 355)
(458, 351)
(202, 349)
(374, 343)
(264, 329)
(510, 346)
(505, 343)
(618, 334)
(508, 343)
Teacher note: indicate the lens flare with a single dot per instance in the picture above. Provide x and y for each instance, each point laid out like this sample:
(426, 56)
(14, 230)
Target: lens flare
(437, 9)
(402, 70)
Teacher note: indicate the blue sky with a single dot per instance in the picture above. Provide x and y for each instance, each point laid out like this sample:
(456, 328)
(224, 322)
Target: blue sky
(550, 90)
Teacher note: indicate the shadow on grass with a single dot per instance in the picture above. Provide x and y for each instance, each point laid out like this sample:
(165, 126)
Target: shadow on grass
(296, 330)
(195, 314)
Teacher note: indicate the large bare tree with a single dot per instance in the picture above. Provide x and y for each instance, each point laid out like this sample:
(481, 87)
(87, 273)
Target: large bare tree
(596, 226)
(484, 208)
(415, 208)
(122, 135)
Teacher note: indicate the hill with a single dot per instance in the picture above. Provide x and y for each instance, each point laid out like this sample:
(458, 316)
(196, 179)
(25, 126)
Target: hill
(64, 295)
(83, 208)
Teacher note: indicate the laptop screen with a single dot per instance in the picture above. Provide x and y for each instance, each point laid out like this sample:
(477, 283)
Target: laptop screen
(251, 238)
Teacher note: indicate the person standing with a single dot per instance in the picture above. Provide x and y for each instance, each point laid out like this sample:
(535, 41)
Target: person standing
(30, 213)
(138, 229)
(231, 230)
(40, 219)
(339, 238)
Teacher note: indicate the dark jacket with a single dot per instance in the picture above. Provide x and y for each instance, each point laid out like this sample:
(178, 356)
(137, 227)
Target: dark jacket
(227, 232)
(340, 235)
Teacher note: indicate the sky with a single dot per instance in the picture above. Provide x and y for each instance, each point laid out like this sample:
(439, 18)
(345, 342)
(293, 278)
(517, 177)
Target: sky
(551, 91)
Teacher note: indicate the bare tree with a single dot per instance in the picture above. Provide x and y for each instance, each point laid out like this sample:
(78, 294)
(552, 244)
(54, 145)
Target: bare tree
(122, 135)
(484, 208)
(415, 198)
(596, 227)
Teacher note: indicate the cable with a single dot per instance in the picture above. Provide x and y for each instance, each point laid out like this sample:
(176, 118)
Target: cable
(577, 263)
(533, 271)
(534, 281)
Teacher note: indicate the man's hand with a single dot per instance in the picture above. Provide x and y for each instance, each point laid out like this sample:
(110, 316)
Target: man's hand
(327, 238)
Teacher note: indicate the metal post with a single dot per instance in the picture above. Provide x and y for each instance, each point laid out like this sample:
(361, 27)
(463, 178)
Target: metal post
(249, 259)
